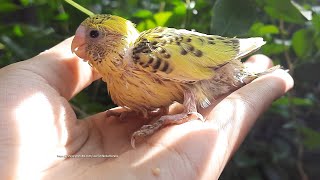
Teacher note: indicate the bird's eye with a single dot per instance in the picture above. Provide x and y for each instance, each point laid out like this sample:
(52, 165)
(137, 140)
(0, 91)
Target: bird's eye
(94, 33)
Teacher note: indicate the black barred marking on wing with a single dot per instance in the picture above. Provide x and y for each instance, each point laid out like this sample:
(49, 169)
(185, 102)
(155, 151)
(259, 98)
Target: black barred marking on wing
(227, 42)
(189, 47)
(165, 66)
(135, 58)
(221, 38)
(161, 49)
(150, 60)
(167, 55)
(219, 66)
(235, 41)
(183, 52)
(169, 41)
(197, 53)
(162, 65)
(152, 47)
(202, 40)
(153, 43)
(157, 64)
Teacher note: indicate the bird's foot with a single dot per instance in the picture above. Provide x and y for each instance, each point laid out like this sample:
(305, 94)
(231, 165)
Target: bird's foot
(159, 112)
(150, 129)
(123, 113)
(119, 112)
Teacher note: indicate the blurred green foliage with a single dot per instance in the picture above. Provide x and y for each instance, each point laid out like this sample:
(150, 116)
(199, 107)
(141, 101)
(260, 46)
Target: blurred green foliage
(285, 142)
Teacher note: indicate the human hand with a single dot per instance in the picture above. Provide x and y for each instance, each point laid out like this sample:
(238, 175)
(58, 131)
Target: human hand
(37, 124)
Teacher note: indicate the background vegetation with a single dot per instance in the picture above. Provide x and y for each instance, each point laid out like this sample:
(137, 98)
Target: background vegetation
(285, 142)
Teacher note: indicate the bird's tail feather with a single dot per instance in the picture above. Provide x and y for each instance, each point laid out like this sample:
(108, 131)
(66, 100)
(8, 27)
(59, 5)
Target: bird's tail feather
(249, 45)
(250, 77)
(270, 70)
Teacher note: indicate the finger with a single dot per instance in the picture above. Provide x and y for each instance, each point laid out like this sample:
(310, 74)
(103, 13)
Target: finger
(237, 112)
(258, 63)
(61, 69)
(37, 118)
(233, 117)
(259, 94)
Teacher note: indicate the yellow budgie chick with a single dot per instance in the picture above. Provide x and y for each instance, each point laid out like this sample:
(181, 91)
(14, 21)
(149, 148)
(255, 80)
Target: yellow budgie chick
(150, 70)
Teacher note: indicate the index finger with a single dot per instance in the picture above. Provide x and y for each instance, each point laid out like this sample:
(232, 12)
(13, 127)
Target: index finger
(62, 69)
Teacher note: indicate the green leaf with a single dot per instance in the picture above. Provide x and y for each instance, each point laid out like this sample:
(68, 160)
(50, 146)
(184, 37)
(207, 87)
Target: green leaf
(8, 7)
(274, 48)
(146, 24)
(259, 29)
(2, 46)
(167, 2)
(306, 13)
(285, 10)
(295, 101)
(17, 30)
(62, 17)
(25, 2)
(302, 42)
(311, 138)
(203, 4)
(143, 14)
(233, 18)
(317, 41)
(178, 18)
(133, 2)
(180, 9)
(316, 22)
(161, 18)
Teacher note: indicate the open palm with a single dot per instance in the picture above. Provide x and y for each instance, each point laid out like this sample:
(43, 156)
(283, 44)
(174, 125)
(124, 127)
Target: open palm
(38, 126)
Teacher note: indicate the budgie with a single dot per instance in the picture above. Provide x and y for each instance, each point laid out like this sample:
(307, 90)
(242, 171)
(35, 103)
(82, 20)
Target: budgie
(149, 71)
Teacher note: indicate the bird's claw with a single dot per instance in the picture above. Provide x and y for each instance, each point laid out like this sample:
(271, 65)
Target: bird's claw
(197, 115)
(149, 129)
(144, 131)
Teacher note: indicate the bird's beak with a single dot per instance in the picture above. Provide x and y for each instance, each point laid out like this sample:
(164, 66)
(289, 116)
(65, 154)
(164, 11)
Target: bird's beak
(78, 43)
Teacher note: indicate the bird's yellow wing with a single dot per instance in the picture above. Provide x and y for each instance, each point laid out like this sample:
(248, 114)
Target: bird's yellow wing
(183, 55)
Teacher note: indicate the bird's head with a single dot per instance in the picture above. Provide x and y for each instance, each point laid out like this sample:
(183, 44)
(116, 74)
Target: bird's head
(101, 35)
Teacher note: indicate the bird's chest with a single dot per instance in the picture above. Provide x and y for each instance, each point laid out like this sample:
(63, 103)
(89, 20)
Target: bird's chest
(141, 91)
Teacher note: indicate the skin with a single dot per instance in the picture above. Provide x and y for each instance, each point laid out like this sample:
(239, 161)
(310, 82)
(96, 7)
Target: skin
(37, 124)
